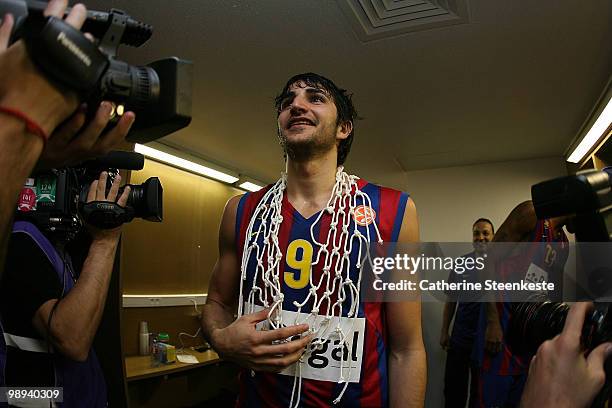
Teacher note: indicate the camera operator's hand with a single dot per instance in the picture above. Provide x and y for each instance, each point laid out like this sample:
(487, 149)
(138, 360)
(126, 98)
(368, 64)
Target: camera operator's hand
(6, 26)
(27, 90)
(242, 343)
(560, 375)
(97, 192)
(72, 143)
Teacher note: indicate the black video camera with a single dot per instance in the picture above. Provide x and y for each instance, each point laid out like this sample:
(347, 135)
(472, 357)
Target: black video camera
(587, 196)
(55, 200)
(159, 93)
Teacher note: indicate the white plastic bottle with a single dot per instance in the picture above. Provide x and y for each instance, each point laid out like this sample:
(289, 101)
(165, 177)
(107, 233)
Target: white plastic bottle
(143, 337)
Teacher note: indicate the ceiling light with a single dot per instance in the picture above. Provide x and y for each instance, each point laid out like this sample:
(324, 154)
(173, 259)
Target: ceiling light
(170, 156)
(593, 135)
(247, 185)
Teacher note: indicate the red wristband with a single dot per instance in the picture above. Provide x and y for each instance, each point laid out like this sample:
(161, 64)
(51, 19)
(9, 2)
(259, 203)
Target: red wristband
(30, 125)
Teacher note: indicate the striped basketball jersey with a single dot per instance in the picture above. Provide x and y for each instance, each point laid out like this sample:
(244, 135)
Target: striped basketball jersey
(549, 254)
(367, 356)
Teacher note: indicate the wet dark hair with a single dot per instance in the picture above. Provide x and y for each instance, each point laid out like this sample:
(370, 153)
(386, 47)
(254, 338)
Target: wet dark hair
(342, 99)
(484, 220)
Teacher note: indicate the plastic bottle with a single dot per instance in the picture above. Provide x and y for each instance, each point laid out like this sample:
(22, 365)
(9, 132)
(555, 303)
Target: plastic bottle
(143, 339)
(166, 352)
(155, 360)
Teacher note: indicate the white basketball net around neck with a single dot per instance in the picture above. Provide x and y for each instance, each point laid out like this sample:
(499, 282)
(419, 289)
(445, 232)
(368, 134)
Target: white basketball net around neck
(337, 246)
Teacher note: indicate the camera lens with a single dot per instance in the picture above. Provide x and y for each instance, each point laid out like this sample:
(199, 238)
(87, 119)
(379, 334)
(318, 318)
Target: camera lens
(531, 324)
(147, 200)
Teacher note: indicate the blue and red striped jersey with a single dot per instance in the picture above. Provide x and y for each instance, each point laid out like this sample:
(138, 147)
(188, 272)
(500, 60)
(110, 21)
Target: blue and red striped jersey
(549, 258)
(368, 353)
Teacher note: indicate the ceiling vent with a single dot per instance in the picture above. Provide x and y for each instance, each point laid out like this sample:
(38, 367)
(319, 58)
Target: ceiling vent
(378, 19)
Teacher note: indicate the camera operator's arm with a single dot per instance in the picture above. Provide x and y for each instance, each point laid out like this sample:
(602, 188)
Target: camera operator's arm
(23, 89)
(43, 106)
(76, 317)
(518, 225)
(237, 340)
(560, 375)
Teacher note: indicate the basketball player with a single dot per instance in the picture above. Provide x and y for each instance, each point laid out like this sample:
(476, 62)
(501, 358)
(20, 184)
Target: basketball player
(278, 243)
(503, 372)
(459, 366)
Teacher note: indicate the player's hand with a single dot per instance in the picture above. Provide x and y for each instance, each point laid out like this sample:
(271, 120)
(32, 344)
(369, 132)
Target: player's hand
(493, 337)
(241, 343)
(73, 141)
(444, 339)
(23, 86)
(97, 192)
(560, 375)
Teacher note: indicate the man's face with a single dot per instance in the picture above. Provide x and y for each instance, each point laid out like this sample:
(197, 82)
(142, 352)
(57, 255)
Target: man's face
(307, 122)
(482, 233)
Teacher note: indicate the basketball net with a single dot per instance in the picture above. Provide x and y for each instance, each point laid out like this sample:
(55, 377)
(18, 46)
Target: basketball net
(334, 252)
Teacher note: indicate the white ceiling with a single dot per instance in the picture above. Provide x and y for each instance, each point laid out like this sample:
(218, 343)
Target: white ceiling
(515, 81)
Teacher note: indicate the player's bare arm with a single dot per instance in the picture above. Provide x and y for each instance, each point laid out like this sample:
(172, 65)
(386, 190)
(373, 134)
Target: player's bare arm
(407, 362)
(516, 228)
(238, 340)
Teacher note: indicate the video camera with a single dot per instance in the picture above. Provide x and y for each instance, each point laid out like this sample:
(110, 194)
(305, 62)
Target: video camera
(55, 200)
(587, 197)
(531, 324)
(159, 93)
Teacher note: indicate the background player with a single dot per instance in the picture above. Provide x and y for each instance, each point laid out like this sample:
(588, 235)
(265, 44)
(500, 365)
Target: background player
(459, 366)
(503, 372)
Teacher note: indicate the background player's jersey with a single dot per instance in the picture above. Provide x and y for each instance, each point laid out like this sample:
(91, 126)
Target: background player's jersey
(550, 258)
(467, 314)
(368, 353)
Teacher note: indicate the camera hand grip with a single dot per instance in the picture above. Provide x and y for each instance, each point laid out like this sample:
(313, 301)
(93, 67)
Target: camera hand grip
(64, 54)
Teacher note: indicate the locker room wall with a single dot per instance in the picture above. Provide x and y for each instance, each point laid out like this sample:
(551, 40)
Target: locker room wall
(178, 254)
(175, 256)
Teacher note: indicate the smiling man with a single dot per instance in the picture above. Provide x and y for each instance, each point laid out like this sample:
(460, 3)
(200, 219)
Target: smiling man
(289, 259)
(459, 370)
